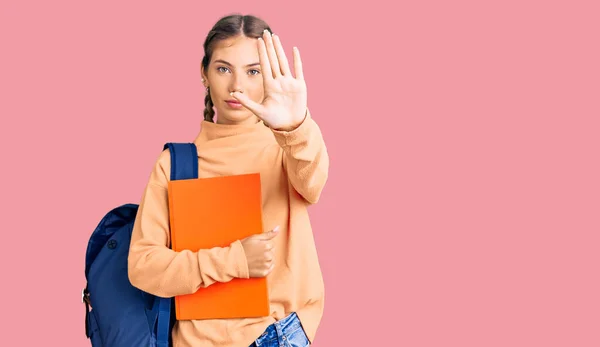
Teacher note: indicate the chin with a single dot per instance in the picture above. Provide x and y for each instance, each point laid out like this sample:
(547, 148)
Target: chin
(236, 116)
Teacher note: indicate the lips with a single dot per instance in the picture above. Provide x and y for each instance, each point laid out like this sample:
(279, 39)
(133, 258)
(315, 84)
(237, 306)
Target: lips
(234, 104)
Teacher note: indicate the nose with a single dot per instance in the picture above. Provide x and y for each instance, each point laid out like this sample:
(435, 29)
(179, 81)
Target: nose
(236, 83)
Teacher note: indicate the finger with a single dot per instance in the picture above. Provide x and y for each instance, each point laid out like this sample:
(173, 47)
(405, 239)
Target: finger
(298, 64)
(269, 258)
(283, 62)
(263, 59)
(250, 104)
(276, 70)
(274, 232)
(270, 234)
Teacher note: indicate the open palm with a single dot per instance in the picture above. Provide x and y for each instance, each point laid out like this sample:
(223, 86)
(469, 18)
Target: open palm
(284, 103)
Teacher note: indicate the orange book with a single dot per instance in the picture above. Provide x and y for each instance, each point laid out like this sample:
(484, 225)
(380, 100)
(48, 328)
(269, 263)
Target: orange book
(214, 212)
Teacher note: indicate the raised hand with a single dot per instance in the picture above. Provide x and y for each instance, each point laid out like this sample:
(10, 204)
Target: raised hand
(285, 98)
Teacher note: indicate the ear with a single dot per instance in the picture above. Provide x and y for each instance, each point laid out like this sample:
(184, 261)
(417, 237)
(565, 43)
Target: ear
(203, 73)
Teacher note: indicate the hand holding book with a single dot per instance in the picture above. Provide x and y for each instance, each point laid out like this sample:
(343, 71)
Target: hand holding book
(260, 252)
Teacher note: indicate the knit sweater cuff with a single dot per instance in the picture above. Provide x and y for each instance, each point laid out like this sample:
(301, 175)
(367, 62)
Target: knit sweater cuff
(299, 134)
(242, 270)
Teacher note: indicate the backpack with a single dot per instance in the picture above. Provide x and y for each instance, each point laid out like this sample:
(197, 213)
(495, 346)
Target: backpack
(122, 315)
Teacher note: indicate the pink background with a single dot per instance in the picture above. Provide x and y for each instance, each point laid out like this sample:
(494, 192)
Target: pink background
(463, 206)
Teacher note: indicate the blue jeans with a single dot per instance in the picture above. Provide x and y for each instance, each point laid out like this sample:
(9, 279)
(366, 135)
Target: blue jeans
(287, 332)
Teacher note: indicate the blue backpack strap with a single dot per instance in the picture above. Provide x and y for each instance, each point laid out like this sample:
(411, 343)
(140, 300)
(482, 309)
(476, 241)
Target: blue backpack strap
(164, 322)
(184, 160)
(184, 165)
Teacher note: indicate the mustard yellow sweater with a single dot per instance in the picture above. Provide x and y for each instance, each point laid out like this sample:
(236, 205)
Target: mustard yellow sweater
(293, 168)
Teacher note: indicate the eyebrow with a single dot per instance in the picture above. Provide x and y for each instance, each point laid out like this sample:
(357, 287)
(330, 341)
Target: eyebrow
(227, 63)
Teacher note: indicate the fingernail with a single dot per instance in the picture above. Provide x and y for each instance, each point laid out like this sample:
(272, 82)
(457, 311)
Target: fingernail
(276, 228)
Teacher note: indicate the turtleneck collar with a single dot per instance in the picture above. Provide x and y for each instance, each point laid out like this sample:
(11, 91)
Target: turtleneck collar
(212, 131)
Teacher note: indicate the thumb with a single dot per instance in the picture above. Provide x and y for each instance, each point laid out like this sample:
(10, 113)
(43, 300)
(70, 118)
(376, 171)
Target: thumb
(253, 106)
(272, 233)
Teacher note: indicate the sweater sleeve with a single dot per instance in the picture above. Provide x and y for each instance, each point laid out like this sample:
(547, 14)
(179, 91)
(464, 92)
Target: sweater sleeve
(305, 158)
(155, 268)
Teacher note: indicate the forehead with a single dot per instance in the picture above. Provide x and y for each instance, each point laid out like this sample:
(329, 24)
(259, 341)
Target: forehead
(239, 50)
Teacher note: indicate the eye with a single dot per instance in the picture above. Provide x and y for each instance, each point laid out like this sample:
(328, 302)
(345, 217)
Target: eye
(257, 72)
(221, 67)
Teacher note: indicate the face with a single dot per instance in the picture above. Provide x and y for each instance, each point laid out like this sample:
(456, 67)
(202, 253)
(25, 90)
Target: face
(234, 66)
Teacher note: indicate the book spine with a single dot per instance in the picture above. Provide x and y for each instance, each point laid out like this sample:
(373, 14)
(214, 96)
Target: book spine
(171, 218)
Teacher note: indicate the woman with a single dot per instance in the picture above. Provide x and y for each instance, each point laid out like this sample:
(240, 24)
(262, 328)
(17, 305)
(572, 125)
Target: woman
(262, 125)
